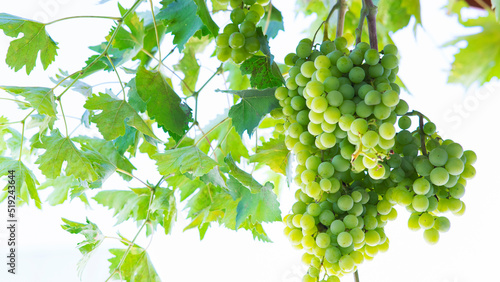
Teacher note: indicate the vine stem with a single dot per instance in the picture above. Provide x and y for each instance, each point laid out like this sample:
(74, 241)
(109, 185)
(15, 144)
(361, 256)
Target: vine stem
(84, 17)
(371, 19)
(64, 117)
(22, 140)
(211, 129)
(356, 276)
(325, 22)
(132, 243)
(110, 41)
(421, 118)
(341, 17)
(133, 176)
(268, 19)
(156, 32)
(359, 29)
(118, 75)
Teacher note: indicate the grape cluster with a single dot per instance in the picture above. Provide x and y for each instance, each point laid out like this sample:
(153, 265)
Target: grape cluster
(338, 110)
(239, 38)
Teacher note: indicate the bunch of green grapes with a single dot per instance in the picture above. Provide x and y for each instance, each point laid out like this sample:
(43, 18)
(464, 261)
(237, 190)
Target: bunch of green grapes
(339, 108)
(238, 40)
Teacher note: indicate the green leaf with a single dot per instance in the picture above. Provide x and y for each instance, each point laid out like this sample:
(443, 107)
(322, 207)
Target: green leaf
(134, 99)
(205, 17)
(273, 153)
(275, 22)
(227, 140)
(164, 204)
(262, 72)
(478, 62)
(189, 65)
(187, 159)
(237, 81)
(40, 98)
(150, 43)
(254, 105)
(163, 104)
(242, 176)
(62, 185)
(396, 14)
(126, 204)
(60, 149)
(25, 181)
(262, 206)
(135, 267)
(93, 238)
(115, 114)
(24, 51)
(132, 39)
(181, 18)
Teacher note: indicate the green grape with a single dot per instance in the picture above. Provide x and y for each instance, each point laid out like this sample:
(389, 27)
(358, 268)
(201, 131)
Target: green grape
(253, 16)
(322, 74)
(323, 240)
(348, 107)
(344, 239)
(340, 164)
(313, 162)
(402, 108)
(308, 278)
(308, 176)
(421, 186)
(314, 88)
(335, 98)
(376, 70)
(372, 57)
(457, 191)
(327, 216)
(413, 224)
(298, 103)
(384, 207)
(303, 117)
(377, 172)
(295, 130)
(332, 254)
(263, 2)
(224, 53)
(289, 59)
(258, 9)
(370, 139)
(319, 104)
(359, 126)
(252, 45)
(469, 171)
(363, 110)
(426, 221)
(326, 170)
(431, 236)
(231, 28)
(337, 227)
(442, 224)
(350, 221)
(344, 64)
(439, 176)
(454, 166)
(295, 236)
(322, 61)
(314, 209)
(356, 74)
(470, 157)
(429, 128)
(308, 242)
(303, 50)
(249, 2)
(404, 122)
(390, 98)
(345, 122)
(315, 117)
(373, 98)
(237, 16)
(299, 207)
(387, 131)
(420, 203)
(389, 61)
(345, 202)
(390, 49)
(236, 40)
(222, 40)
(331, 83)
(247, 28)
(314, 128)
(372, 238)
(307, 222)
(357, 56)
(328, 140)
(307, 69)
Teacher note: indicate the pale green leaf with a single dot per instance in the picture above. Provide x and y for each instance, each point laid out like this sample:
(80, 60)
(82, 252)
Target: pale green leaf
(273, 153)
(40, 98)
(25, 181)
(187, 159)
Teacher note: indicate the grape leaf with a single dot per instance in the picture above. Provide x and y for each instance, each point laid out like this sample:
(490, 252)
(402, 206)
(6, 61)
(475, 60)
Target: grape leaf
(185, 185)
(25, 181)
(187, 159)
(163, 208)
(189, 65)
(273, 153)
(40, 98)
(262, 206)
(478, 61)
(396, 14)
(205, 17)
(228, 141)
(115, 114)
(134, 99)
(135, 267)
(60, 149)
(24, 51)
(78, 86)
(254, 104)
(62, 185)
(93, 238)
(262, 72)
(163, 104)
(275, 22)
(237, 81)
(150, 43)
(181, 19)
(129, 40)
(242, 176)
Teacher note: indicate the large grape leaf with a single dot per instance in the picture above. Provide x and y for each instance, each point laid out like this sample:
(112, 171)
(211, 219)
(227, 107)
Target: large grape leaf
(25, 181)
(181, 19)
(275, 22)
(24, 51)
(396, 14)
(189, 65)
(163, 104)
(242, 176)
(478, 61)
(126, 204)
(40, 98)
(133, 39)
(206, 18)
(187, 159)
(93, 238)
(254, 105)
(115, 114)
(59, 150)
(62, 186)
(136, 265)
(273, 153)
(263, 73)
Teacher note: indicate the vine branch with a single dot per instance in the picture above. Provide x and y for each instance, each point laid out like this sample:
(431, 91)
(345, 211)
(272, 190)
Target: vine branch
(341, 17)
(156, 32)
(371, 19)
(119, 79)
(84, 17)
(325, 22)
(359, 29)
(356, 276)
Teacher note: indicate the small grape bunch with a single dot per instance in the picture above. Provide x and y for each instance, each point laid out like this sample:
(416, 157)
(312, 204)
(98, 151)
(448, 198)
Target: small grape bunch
(238, 40)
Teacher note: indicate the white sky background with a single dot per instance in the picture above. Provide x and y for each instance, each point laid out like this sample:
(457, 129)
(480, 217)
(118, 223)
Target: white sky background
(469, 252)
